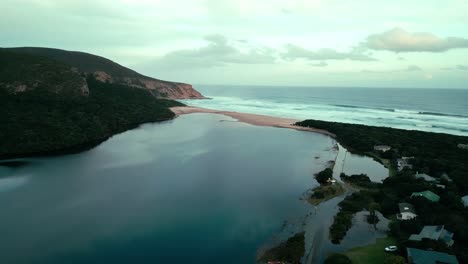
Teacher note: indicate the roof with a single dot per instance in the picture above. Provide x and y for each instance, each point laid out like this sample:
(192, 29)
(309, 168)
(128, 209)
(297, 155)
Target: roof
(465, 200)
(419, 256)
(428, 195)
(425, 177)
(406, 208)
(434, 233)
(377, 147)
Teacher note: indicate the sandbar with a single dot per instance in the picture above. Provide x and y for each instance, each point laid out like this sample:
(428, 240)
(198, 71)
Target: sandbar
(253, 119)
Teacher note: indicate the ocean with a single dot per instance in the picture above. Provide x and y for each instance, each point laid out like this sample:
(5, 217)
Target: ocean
(433, 110)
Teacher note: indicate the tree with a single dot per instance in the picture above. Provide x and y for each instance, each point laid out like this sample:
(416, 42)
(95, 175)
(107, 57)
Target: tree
(373, 219)
(324, 175)
(337, 259)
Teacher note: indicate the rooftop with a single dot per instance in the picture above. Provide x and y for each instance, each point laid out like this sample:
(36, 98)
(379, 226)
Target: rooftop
(406, 208)
(418, 256)
(465, 200)
(425, 177)
(434, 233)
(428, 195)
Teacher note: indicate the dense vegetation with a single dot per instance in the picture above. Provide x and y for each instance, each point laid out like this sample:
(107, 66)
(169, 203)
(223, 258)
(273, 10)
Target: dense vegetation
(324, 175)
(40, 122)
(352, 204)
(358, 180)
(290, 251)
(85, 62)
(89, 64)
(25, 73)
(434, 153)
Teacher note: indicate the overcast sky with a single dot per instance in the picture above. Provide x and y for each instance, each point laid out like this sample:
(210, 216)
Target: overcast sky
(399, 43)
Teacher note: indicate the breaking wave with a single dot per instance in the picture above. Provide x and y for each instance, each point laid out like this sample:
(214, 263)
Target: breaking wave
(300, 108)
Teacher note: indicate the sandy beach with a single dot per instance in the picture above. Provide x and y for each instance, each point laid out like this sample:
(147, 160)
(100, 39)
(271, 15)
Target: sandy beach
(253, 119)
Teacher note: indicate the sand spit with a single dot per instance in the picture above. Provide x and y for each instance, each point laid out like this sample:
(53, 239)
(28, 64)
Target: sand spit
(257, 120)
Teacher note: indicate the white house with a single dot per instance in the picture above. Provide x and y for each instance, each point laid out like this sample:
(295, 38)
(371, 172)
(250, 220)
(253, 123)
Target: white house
(407, 212)
(383, 148)
(403, 163)
(465, 200)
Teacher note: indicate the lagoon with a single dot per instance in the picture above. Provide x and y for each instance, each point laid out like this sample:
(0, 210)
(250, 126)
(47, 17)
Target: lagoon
(198, 189)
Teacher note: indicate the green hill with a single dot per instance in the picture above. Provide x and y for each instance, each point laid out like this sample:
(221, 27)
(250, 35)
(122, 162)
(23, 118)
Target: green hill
(108, 71)
(47, 107)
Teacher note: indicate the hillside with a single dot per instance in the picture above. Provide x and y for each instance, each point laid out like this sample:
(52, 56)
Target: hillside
(108, 71)
(49, 108)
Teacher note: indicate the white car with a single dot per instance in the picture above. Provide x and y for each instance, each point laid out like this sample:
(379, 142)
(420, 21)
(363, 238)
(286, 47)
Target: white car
(391, 248)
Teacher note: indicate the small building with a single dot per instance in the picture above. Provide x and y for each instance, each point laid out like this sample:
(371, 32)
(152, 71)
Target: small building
(419, 256)
(383, 148)
(446, 177)
(425, 177)
(404, 163)
(462, 146)
(465, 200)
(434, 233)
(428, 195)
(407, 211)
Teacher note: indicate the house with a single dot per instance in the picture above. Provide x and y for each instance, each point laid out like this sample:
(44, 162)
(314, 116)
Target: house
(425, 177)
(462, 146)
(383, 148)
(428, 195)
(465, 200)
(418, 256)
(407, 212)
(446, 177)
(404, 163)
(434, 233)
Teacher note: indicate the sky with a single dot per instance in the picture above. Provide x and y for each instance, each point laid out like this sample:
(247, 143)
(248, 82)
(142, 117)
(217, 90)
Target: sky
(362, 43)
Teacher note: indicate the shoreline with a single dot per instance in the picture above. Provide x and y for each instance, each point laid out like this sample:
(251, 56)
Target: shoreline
(252, 119)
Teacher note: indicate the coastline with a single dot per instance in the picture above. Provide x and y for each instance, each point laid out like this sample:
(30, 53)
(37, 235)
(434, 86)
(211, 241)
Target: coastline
(252, 119)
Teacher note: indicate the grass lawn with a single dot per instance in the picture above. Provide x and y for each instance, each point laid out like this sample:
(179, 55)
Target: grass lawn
(327, 192)
(371, 254)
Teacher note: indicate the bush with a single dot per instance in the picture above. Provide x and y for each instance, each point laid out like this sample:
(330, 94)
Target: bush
(324, 175)
(337, 259)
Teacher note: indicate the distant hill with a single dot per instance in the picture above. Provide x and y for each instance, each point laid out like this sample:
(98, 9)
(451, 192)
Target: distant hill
(106, 70)
(49, 107)
(20, 73)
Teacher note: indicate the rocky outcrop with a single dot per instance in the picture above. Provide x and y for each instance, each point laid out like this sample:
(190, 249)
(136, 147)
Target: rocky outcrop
(159, 88)
(172, 90)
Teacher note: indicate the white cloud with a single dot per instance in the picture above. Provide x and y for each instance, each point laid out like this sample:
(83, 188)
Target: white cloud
(413, 68)
(218, 52)
(320, 64)
(295, 52)
(400, 40)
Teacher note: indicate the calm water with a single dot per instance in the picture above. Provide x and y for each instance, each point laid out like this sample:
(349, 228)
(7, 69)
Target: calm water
(433, 110)
(193, 190)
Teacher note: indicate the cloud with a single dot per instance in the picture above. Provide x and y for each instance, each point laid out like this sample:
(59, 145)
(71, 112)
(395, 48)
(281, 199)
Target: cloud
(400, 40)
(218, 52)
(413, 68)
(320, 64)
(295, 52)
(410, 68)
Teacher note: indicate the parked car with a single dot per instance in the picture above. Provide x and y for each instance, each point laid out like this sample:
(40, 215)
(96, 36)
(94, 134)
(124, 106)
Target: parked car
(391, 248)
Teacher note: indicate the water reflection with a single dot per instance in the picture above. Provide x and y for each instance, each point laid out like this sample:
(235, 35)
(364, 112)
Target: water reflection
(191, 190)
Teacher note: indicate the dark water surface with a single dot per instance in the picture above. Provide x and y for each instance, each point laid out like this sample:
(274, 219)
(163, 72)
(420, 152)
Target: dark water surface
(192, 190)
